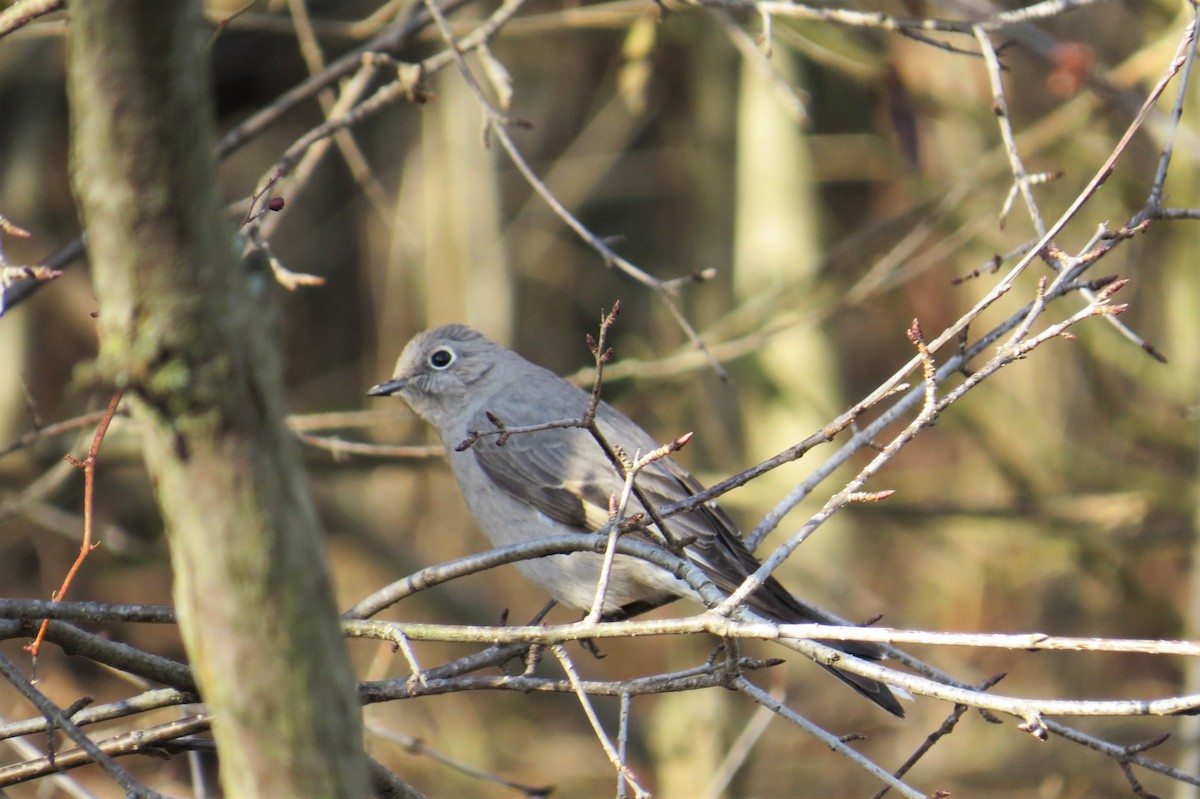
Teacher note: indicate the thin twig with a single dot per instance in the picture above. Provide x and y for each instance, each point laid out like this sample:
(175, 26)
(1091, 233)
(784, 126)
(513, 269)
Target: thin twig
(416, 746)
(28, 439)
(1097, 180)
(614, 757)
(496, 125)
(88, 467)
(339, 448)
(59, 719)
(1005, 356)
(832, 741)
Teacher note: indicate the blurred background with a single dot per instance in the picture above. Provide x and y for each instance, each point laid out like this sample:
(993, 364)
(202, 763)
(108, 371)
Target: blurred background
(837, 195)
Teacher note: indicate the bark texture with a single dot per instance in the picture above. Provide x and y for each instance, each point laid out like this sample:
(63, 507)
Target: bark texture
(187, 330)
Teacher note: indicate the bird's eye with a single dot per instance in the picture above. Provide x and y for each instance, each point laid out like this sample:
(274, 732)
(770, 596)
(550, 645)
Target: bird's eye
(441, 358)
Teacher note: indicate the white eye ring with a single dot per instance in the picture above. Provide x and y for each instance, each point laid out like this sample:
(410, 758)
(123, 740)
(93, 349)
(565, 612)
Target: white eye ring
(441, 358)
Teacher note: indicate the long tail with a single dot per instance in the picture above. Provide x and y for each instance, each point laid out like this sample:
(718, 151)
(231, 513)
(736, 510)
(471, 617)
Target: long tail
(877, 692)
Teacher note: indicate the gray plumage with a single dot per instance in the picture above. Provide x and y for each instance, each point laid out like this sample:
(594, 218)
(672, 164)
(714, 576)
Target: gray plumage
(556, 481)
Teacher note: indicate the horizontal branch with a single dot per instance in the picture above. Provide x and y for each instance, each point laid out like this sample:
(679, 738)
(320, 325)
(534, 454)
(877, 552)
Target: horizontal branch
(711, 623)
(797, 636)
(134, 742)
(710, 675)
(92, 714)
(27, 609)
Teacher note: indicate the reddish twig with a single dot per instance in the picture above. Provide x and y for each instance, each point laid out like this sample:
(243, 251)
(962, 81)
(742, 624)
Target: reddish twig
(88, 467)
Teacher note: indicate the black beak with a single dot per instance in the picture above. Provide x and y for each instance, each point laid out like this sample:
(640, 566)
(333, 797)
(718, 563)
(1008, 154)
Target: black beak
(386, 389)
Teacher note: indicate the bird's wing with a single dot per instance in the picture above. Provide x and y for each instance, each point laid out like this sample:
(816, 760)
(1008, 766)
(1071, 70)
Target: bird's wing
(550, 470)
(715, 544)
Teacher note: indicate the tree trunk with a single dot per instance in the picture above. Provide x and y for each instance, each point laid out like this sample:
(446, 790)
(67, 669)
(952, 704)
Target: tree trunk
(183, 329)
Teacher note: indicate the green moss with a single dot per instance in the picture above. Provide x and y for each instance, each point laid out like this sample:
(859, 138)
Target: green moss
(170, 378)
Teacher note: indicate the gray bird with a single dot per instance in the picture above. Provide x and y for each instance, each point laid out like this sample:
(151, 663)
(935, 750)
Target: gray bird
(556, 481)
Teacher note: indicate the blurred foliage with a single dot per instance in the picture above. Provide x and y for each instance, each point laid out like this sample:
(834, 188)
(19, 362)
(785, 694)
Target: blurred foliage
(1058, 497)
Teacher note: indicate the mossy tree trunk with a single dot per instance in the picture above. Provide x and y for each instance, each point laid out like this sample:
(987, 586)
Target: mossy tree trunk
(183, 330)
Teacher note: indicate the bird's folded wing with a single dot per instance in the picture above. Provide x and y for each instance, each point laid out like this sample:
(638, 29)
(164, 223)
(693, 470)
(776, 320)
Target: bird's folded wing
(544, 470)
(566, 475)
